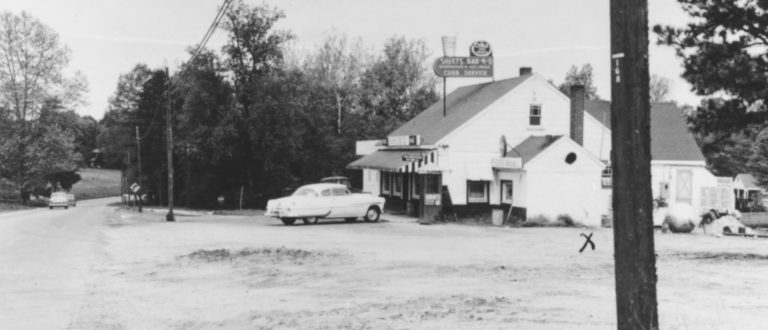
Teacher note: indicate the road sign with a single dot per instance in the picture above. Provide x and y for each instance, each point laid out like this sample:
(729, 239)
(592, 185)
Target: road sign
(464, 67)
(135, 187)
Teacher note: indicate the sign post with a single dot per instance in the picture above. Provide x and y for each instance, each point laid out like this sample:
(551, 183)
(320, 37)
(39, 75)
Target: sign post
(135, 187)
(478, 65)
(220, 199)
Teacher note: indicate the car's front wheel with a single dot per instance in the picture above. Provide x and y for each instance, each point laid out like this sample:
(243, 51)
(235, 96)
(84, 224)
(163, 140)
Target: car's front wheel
(372, 215)
(288, 222)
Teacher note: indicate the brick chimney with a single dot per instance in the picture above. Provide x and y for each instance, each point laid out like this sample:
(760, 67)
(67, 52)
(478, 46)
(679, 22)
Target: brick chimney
(525, 70)
(578, 94)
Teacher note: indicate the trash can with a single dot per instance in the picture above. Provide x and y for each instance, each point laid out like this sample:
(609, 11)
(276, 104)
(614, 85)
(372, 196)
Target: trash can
(497, 217)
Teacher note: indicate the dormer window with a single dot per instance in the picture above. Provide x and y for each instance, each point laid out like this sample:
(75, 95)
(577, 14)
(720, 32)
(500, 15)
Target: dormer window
(535, 116)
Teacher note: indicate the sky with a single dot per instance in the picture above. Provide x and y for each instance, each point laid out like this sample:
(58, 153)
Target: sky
(109, 37)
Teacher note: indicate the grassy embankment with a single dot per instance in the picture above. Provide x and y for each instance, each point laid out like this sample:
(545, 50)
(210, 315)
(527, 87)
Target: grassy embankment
(94, 183)
(97, 183)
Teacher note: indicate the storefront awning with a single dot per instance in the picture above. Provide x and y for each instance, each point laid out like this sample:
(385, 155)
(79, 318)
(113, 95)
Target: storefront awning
(395, 160)
(478, 171)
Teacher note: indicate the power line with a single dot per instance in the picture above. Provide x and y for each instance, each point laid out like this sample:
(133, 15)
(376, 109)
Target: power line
(204, 41)
(211, 29)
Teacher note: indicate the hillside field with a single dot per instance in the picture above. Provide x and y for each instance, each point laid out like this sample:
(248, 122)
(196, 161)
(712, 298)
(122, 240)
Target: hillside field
(97, 183)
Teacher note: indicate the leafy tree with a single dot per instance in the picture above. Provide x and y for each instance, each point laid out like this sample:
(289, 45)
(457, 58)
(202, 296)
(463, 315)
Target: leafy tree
(118, 126)
(582, 77)
(337, 69)
(65, 179)
(267, 114)
(724, 57)
(659, 88)
(32, 64)
(204, 141)
(246, 119)
(396, 87)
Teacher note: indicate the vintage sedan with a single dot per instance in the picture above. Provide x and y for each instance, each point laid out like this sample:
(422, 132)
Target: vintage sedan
(58, 199)
(71, 200)
(325, 200)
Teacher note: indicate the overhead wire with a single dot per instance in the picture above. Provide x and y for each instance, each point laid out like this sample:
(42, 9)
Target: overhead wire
(200, 46)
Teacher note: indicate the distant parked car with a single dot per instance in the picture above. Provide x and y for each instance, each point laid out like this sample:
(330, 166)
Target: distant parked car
(336, 179)
(71, 201)
(340, 180)
(325, 200)
(58, 199)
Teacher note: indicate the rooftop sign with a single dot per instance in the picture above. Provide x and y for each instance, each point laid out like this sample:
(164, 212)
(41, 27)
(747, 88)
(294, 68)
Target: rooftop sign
(464, 67)
(480, 48)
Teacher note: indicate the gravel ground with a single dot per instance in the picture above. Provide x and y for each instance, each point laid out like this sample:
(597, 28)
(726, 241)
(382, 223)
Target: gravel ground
(250, 272)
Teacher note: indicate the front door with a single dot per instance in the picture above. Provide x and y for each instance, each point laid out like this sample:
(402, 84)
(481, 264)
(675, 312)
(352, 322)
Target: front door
(684, 188)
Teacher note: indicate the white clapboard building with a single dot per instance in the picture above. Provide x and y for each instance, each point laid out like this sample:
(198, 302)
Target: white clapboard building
(521, 146)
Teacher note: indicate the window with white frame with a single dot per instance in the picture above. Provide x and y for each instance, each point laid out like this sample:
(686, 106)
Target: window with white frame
(397, 184)
(477, 191)
(607, 177)
(535, 115)
(506, 192)
(386, 184)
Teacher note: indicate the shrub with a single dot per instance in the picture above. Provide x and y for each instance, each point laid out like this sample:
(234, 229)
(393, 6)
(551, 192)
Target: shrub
(566, 220)
(563, 220)
(537, 221)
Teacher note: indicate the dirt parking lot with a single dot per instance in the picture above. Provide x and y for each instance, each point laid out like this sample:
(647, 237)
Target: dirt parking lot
(238, 272)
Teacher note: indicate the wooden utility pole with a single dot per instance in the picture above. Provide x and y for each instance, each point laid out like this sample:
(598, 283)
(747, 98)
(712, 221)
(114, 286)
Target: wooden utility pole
(169, 151)
(631, 162)
(138, 177)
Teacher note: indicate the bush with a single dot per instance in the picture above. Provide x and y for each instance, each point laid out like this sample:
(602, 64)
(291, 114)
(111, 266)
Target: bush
(566, 220)
(537, 221)
(563, 220)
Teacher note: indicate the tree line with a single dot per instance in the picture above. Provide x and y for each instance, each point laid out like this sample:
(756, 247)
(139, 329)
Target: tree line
(256, 116)
(42, 140)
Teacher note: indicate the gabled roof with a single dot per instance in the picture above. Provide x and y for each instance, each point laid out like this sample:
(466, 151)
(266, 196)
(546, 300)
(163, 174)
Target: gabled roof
(670, 138)
(532, 146)
(461, 105)
(600, 110)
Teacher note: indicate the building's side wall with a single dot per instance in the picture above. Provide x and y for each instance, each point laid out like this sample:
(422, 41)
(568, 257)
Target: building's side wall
(509, 116)
(555, 187)
(661, 172)
(478, 140)
(455, 178)
(372, 182)
(597, 138)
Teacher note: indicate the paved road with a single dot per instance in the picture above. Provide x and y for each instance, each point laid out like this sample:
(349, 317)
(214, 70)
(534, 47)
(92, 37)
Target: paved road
(45, 262)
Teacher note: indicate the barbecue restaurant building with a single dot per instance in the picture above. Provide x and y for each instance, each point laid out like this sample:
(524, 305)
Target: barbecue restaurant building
(514, 145)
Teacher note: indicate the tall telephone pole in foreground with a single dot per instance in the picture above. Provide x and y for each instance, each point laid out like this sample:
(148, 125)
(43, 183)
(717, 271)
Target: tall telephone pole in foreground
(169, 150)
(631, 163)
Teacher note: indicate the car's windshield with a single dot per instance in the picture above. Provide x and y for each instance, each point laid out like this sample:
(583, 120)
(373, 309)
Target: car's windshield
(306, 192)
